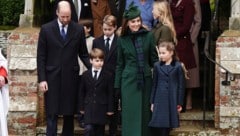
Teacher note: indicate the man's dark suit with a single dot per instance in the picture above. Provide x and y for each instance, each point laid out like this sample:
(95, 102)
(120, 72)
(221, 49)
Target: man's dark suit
(86, 11)
(57, 63)
(110, 63)
(96, 99)
(117, 11)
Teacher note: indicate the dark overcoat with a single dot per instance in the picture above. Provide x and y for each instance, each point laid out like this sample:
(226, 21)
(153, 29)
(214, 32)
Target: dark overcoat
(117, 11)
(57, 63)
(96, 97)
(110, 60)
(183, 15)
(167, 92)
(135, 101)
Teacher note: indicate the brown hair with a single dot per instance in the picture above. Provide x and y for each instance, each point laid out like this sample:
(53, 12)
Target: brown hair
(171, 47)
(86, 22)
(124, 27)
(97, 53)
(110, 20)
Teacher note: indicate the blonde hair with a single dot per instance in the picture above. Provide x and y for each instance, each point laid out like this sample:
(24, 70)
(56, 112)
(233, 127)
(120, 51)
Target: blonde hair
(110, 20)
(163, 7)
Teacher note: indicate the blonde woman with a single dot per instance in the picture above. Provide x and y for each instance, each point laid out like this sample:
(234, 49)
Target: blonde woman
(164, 30)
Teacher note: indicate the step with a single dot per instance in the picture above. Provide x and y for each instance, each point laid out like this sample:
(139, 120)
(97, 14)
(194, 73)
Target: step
(195, 117)
(191, 124)
(194, 131)
(41, 131)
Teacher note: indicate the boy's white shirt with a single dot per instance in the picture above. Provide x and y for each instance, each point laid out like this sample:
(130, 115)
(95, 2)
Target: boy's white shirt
(4, 101)
(89, 42)
(110, 41)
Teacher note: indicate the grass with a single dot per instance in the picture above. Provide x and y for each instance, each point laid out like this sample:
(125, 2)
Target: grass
(7, 27)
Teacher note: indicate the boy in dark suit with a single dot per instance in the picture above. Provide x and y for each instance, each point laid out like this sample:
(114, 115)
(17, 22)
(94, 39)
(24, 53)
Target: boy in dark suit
(108, 43)
(96, 95)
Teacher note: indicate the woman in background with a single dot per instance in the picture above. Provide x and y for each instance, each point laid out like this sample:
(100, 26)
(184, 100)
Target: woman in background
(183, 15)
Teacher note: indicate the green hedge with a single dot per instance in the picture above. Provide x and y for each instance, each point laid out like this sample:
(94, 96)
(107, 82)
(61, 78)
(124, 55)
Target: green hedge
(10, 11)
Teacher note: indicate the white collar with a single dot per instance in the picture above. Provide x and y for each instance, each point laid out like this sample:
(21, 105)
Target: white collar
(111, 37)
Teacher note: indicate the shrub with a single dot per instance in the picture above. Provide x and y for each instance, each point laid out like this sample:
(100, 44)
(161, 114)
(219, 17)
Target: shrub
(10, 11)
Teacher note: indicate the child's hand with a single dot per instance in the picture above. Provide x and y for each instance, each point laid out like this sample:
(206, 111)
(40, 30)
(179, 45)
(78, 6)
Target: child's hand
(110, 113)
(179, 108)
(82, 112)
(152, 107)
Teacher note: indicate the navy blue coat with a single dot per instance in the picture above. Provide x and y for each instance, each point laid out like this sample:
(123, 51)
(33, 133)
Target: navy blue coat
(167, 93)
(96, 97)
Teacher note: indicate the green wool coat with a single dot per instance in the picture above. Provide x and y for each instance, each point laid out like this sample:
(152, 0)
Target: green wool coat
(135, 102)
(162, 33)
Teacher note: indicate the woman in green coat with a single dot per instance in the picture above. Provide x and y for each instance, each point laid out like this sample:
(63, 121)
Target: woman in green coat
(136, 56)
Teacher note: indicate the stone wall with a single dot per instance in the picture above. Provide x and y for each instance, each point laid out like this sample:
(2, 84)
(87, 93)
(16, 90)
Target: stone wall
(227, 98)
(24, 97)
(3, 41)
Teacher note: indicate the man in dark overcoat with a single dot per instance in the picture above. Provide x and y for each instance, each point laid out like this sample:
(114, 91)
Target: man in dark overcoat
(117, 8)
(60, 43)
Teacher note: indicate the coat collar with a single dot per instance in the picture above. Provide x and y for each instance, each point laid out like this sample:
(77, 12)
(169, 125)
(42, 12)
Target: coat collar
(173, 63)
(90, 77)
(69, 35)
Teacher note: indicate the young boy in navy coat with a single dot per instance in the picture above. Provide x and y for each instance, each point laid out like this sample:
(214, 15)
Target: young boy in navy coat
(96, 95)
(108, 43)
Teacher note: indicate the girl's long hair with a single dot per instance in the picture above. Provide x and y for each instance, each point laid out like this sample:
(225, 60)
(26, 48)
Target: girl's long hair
(163, 7)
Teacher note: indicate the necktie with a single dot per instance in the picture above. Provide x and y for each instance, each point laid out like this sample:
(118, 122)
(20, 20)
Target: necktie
(95, 75)
(63, 34)
(107, 45)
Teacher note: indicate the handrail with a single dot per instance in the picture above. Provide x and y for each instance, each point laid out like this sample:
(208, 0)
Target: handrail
(207, 54)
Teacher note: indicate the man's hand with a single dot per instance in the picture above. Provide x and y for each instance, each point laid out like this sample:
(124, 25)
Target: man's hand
(43, 86)
(110, 113)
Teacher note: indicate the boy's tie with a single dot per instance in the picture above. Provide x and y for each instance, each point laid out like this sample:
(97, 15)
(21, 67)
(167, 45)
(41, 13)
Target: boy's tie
(107, 45)
(95, 74)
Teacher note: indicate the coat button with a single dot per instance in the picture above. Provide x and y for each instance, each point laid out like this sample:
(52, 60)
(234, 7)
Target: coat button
(94, 101)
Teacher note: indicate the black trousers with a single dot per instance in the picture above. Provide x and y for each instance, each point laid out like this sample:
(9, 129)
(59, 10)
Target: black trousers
(161, 131)
(68, 125)
(94, 130)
